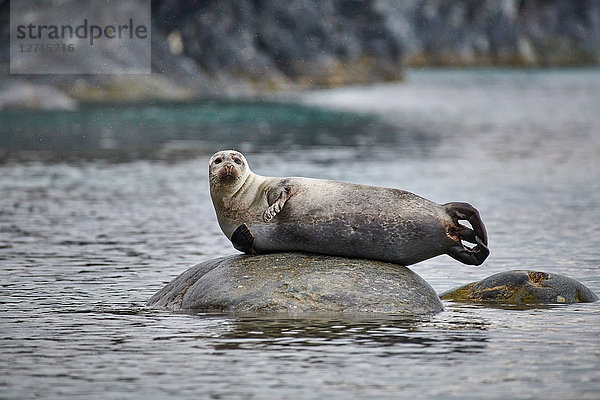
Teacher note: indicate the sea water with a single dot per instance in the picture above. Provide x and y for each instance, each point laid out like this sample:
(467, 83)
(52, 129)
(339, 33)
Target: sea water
(85, 241)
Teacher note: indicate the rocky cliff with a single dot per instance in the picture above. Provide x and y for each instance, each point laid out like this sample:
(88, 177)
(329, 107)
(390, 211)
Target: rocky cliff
(335, 42)
(217, 47)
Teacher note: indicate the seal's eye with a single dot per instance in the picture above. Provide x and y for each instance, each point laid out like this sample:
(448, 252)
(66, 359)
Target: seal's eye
(237, 161)
(218, 160)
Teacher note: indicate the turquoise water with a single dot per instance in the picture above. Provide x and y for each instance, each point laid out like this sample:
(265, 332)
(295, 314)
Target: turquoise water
(85, 242)
(175, 131)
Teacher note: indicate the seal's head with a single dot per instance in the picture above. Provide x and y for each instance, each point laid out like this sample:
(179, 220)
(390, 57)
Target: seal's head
(227, 169)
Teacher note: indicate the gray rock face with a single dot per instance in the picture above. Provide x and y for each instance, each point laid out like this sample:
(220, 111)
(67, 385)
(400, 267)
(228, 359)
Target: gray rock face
(214, 47)
(523, 287)
(298, 283)
(317, 42)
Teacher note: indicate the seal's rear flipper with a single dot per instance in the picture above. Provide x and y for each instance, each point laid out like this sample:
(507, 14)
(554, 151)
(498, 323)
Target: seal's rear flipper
(243, 240)
(458, 232)
(474, 256)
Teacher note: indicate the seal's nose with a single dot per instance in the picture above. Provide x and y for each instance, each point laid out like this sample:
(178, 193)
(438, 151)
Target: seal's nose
(228, 169)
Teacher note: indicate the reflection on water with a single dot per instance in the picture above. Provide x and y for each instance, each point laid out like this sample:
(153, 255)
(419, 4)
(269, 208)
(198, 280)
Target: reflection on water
(84, 245)
(405, 335)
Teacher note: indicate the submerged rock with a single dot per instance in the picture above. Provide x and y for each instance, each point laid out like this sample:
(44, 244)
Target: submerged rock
(294, 282)
(523, 287)
(18, 93)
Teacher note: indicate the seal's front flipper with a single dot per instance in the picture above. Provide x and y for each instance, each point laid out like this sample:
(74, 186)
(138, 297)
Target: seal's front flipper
(243, 240)
(273, 210)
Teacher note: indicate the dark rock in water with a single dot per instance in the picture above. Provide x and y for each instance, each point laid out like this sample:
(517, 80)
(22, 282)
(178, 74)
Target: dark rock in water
(523, 287)
(298, 283)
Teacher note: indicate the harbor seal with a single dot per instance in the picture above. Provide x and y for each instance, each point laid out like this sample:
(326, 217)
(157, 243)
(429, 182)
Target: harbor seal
(262, 214)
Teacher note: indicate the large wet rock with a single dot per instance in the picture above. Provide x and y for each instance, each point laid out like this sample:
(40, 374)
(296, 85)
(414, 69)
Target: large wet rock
(523, 287)
(293, 282)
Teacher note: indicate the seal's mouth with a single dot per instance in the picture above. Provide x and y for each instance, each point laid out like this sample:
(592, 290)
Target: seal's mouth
(227, 173)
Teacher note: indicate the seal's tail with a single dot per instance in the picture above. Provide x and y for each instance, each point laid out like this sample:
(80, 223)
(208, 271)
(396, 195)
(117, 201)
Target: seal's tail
(469, 255)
